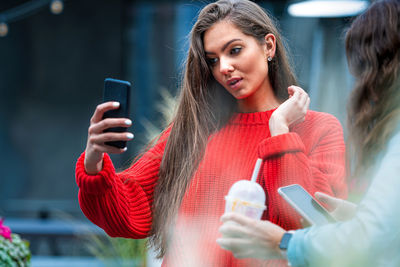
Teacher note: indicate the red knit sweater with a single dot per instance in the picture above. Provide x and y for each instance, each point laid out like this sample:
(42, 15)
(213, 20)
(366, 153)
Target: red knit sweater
(311, 154)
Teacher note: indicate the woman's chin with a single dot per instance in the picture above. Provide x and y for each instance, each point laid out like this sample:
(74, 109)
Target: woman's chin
(240, 94)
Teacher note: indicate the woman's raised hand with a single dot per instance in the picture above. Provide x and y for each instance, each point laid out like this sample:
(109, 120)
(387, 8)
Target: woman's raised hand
(96, 147)
(290, 112)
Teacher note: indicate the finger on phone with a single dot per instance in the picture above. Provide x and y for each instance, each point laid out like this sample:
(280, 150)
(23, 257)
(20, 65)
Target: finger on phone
(112, 123)
(100, 109)
(112, 136)
(114, 150)
(304, 223)
(328, 200)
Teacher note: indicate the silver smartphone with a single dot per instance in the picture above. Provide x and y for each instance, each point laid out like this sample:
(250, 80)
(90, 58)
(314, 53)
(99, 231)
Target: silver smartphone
(305, 205)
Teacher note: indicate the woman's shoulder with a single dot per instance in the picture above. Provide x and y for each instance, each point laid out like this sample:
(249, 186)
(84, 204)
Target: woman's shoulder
(320, 127)
(320, 121)
(316, 116)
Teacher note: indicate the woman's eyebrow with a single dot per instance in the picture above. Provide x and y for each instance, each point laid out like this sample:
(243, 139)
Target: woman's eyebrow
(225, 45)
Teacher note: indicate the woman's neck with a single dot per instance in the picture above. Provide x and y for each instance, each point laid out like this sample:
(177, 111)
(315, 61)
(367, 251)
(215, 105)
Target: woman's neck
(261, 100)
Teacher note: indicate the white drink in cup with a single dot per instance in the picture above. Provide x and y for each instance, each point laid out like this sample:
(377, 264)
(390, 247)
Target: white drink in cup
(247, 197)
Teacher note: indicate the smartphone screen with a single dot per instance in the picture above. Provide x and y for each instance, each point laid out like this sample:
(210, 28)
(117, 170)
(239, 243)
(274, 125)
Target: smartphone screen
(117, 90)
(305, 205)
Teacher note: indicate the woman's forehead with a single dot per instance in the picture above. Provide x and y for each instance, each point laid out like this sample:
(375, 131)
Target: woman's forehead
(221, 33)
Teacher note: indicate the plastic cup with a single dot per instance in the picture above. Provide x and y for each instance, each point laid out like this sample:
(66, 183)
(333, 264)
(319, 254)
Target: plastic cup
(247, 198)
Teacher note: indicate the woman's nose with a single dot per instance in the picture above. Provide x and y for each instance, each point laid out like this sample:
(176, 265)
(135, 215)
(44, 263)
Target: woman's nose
(225, 66)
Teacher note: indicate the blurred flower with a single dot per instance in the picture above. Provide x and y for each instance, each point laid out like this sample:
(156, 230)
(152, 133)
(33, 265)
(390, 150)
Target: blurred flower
(5, 231)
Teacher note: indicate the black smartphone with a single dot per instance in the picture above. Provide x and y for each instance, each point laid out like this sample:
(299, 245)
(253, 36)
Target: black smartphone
(305, 205)
(117, 90)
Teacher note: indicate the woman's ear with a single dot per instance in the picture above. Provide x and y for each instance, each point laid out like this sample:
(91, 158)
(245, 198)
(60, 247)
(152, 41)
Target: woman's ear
(270, 45)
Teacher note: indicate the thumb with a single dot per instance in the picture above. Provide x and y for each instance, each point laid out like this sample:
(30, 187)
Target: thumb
(328, 200)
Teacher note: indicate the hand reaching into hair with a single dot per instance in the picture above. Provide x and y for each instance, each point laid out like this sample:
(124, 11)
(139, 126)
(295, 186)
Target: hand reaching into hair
(249, 238)
(96, 146)
(290, 112)
(340, 209)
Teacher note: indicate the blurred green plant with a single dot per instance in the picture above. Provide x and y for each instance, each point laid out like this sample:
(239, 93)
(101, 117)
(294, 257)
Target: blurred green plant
(117, 251)
(166, 108)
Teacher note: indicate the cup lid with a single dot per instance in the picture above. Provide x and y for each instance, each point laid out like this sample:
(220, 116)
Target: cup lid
(247, 191)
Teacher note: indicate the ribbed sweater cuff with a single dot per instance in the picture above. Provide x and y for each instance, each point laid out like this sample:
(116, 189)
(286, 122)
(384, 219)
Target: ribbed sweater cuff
(95, 184)
(283, 143)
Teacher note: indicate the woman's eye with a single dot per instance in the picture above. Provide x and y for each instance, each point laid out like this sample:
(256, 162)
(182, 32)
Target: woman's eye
(235, 50)
(212, 61)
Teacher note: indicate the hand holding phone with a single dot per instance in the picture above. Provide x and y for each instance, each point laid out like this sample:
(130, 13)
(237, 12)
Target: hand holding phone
(340, 209)
(118, 91)
(108, 125)
(305, 205)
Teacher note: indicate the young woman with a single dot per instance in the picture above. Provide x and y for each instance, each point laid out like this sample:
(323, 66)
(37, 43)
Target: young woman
(237, 103)
(372, 236)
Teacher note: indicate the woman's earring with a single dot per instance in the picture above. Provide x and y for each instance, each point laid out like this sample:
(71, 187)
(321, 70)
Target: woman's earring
(269, 59)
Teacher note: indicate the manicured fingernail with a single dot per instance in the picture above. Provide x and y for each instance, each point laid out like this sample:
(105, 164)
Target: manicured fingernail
(125, 149)
(128, 122)
(115, 104)
(129, 135)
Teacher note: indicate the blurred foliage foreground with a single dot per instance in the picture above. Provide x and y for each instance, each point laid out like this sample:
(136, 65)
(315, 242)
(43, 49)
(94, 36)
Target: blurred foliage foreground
(14, 252)
(117, 251)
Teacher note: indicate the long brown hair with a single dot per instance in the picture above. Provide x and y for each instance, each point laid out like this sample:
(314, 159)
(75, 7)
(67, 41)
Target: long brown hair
(373, 53)
(205, 106)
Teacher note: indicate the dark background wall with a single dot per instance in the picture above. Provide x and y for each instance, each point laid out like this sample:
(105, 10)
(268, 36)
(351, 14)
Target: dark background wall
(52, 69)
(51, 73)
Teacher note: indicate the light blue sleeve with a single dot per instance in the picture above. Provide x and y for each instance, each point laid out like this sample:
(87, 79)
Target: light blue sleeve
(371, 238)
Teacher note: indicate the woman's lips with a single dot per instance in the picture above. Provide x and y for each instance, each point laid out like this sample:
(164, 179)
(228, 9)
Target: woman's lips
(234, 83)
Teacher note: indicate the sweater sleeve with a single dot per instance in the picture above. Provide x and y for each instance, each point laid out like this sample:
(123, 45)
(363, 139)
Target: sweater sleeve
(120, 203)
(312, 154)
